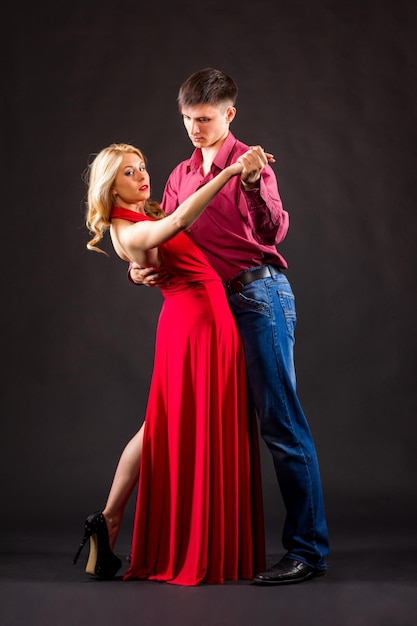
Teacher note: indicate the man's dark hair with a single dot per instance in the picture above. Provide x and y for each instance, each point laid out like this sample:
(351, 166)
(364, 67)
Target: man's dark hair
(208, 86)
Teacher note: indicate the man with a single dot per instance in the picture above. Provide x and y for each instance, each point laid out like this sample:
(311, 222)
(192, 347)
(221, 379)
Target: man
(238, 233)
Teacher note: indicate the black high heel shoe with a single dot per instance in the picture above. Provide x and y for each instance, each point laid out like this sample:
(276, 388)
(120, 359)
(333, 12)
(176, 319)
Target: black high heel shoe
(101, 560)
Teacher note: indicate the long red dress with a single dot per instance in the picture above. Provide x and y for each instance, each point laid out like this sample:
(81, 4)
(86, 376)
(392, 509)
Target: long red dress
(199, 512)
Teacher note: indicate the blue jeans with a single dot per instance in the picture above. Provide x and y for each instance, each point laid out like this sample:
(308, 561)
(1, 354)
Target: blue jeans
(265, 314)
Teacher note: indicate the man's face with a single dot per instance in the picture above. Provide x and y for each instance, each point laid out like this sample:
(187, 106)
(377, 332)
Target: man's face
(208, 124)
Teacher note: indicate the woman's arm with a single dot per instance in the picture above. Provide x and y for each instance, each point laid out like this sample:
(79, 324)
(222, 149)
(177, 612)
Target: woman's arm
(139, 240)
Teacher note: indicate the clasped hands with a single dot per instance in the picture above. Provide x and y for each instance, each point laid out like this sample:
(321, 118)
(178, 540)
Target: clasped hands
(253, 161)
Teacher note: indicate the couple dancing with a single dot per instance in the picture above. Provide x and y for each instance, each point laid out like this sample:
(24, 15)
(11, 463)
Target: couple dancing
(199, 509)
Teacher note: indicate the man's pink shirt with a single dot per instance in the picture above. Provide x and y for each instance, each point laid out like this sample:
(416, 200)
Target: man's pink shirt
(238, 230)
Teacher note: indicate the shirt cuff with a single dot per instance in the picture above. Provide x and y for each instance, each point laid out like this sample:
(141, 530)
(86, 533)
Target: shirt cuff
(254, 198)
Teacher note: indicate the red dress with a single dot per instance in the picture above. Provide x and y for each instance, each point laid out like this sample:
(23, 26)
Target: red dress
(199, 513)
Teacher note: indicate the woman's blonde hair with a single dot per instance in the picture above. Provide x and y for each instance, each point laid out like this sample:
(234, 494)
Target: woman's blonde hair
(100, 177)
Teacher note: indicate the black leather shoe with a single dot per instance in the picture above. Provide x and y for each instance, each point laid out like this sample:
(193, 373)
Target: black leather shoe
(287, 571)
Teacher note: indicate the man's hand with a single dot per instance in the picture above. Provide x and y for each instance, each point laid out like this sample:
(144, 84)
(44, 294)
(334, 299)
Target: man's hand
(253, 162)
(148, 276)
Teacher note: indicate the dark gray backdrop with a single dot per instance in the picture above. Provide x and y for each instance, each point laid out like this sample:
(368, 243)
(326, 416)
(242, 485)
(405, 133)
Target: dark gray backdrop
(330, 88)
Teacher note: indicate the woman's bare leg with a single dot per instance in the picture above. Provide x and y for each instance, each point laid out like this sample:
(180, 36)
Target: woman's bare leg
(124, 481)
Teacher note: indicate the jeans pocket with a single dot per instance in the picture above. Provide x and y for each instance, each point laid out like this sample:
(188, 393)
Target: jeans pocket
(287, 302)
(250, 304)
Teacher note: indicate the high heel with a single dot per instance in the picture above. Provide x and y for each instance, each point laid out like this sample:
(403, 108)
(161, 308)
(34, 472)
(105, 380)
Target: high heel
(102, 562)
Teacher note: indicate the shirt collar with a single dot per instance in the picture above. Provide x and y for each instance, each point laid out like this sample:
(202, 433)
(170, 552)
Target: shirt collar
(220, 160)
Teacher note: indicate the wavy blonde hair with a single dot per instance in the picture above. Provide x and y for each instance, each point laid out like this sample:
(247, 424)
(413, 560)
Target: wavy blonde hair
(100, 177)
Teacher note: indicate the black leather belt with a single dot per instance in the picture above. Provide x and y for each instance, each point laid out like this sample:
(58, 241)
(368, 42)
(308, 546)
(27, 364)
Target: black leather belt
(238, 282)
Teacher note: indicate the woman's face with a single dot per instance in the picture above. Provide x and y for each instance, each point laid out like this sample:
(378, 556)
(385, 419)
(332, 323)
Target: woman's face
(132, 182)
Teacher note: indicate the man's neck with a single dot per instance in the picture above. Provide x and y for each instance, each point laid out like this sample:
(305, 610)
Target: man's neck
(209, 154)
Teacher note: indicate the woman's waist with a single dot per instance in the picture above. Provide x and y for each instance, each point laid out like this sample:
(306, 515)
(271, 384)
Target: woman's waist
(183, 285)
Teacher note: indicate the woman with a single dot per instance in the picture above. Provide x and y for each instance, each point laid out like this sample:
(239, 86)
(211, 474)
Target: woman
(199, 508)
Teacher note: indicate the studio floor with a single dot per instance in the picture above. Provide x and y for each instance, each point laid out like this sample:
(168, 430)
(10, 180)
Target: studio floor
(372, 580)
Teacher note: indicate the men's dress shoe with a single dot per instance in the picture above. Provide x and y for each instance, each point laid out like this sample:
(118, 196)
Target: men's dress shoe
(287, 571)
